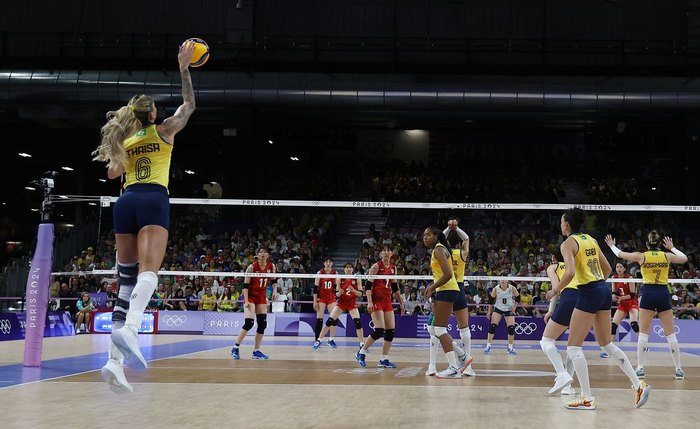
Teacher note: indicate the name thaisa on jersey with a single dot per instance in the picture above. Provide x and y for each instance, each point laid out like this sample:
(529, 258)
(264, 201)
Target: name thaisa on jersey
(147, 148)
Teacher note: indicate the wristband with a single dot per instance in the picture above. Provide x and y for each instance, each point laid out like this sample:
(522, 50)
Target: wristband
(615, 250)
(677, 252)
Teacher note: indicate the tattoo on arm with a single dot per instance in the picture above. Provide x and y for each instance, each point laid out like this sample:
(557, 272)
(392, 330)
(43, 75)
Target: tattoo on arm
(177, 122)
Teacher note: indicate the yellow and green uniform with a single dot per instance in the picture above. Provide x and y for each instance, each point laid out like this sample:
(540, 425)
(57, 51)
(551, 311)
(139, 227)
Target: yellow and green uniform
(561, 268)
(437, 271)
(148, 158)
(655, 268)
(458, 265)
(586, 263)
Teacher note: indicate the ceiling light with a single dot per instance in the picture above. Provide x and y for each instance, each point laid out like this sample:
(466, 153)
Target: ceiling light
(92, 204)
(102, 180)
(24, 155)
(29, 188)
(189, 172)
(63, 197)
(67, 168)
(270, 141)
(35, 210)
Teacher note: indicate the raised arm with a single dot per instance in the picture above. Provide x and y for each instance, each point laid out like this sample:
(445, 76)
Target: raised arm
(627, 256)
(177, 122)
(676, 256)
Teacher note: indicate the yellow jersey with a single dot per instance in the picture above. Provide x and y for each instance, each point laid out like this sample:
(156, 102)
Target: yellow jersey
(458, 265)
(147, 158)
(655, 268)
(586, 263)
(437, 270)
(561, 268)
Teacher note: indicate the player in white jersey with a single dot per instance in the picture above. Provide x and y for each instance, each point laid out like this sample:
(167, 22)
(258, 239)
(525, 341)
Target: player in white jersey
(504, 300)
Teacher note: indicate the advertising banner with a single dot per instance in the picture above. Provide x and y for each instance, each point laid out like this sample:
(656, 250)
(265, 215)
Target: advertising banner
(102, 322)
(228, 323)
(186, 322)
(10, 328)
(686, 330)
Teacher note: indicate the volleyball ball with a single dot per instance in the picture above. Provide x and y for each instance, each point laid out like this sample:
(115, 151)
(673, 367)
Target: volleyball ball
(200, 55)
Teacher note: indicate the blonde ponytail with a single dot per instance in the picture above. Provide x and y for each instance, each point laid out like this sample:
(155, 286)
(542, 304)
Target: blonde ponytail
(122, 124)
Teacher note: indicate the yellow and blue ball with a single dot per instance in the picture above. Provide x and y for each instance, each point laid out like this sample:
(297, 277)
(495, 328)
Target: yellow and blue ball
(201, 52)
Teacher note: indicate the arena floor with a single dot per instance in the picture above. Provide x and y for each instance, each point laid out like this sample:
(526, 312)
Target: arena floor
(192, 381)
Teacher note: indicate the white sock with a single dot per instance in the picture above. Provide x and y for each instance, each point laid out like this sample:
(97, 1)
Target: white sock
(362, 351)
(452, 359)
(550, 349)
(384, 357)
(569, 366)
(675, 350)
(330, 338)
(145, 286)
(488, 344)
(466, 335)
(433, 350)
(621, 360)
(642, 349)
(458, 350)
(581, 367)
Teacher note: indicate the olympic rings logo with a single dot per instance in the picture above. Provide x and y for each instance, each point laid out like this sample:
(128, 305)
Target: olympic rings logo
(525, 328)
(5, 326)
(174, 320)
(659, 330)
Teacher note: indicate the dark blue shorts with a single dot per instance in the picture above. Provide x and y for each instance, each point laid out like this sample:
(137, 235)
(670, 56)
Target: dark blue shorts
(141, 205)
(461, 302)
(452, 296)
(565, 306)
(503, 313)
(594, 297)
(655, 298)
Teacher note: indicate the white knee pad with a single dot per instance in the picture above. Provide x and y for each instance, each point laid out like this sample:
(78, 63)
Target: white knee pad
(440, 331)
(574, 352)
(547, 343)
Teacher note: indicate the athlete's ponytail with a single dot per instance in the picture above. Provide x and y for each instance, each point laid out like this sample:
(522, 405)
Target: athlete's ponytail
(122, 124)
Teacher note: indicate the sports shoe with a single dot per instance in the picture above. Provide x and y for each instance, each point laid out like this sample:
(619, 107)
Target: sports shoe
(487, 350)
(113, 374)
(127, 342)
(604, 355)
(386, 363)
(469, 371)
(317, 344)
(642, 394)
(450, 372)
(466, 363)
(581, 403)
(431, 370)
(568, 391)
(563, 380)
(360, 359)
(640, 373)
(680, 374)
(257, 354)
(511, 352)
(235, 353)
(332, 344)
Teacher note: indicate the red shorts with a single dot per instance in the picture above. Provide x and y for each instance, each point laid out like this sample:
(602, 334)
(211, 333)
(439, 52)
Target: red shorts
(257, 299)
(347, 306)
(327, 301)
(383, 306)
(628, 305)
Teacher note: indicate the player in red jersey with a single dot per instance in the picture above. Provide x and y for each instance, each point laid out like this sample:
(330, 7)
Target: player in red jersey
(625, 296)
(255, 303)
(348, 292)
(379, 294)
(324, 297)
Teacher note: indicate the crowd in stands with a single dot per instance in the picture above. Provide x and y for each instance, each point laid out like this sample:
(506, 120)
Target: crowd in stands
(199, 241)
